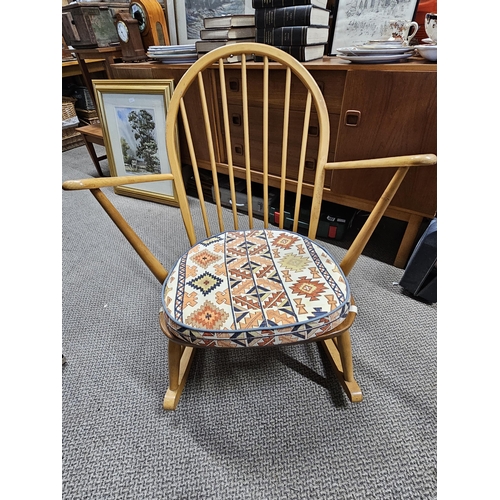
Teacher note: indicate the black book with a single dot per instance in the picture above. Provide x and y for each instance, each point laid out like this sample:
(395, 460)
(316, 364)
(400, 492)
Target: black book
(302, 53)
(208, 45)
(227, 33)
(260, 4)
(292, 35)
(298, 15)
(231, 21)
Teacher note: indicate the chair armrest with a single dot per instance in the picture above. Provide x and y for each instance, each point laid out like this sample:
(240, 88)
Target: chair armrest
(92, 183)
(393, 161)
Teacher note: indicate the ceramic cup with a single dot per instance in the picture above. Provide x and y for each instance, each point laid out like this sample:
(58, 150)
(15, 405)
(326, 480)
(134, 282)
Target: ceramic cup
(401, 30)
(431, 26)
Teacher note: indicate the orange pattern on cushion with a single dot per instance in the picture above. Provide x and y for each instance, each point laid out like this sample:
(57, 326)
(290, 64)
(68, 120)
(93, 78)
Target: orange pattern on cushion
(254, 288)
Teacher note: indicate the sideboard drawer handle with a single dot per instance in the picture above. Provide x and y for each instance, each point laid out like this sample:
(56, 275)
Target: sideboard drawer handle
(234, 85)
(352, 117)
(313, 130)
(310, 164)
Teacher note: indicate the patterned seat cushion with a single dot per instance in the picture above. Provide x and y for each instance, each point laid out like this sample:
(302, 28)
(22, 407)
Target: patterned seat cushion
(254, 288)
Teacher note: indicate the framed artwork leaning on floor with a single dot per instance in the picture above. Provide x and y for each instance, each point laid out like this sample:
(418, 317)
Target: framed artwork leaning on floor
(133, 115)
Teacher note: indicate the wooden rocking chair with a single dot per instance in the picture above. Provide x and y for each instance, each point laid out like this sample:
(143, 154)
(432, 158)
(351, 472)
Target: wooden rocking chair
(256, 284)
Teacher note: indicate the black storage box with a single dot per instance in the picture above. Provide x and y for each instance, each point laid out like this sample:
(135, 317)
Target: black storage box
(83, 98)
(332, 224)
(420, 276)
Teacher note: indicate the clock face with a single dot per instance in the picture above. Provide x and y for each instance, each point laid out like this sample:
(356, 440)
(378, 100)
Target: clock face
(122, 30)
(138, 13)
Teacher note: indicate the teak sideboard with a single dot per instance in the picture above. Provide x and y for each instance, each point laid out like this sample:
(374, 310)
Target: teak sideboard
(375, 110)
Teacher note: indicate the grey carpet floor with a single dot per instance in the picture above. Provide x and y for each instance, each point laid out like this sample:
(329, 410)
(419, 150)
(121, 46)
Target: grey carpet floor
(268, 424)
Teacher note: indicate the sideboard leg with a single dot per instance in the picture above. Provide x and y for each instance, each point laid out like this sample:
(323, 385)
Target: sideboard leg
(408, 241)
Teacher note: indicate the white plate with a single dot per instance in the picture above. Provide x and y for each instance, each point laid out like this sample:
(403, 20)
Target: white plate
(178, 61)
(429, 41)
(361, 50)
(172, 49)
(170, 54)
(392, 43)
(375, 59)
(172, 57)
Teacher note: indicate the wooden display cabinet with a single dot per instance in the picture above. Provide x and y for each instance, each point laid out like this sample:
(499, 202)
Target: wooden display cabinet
(375, 111)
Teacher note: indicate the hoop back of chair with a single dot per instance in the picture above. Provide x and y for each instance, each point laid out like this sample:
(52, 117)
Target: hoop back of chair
(241, 110)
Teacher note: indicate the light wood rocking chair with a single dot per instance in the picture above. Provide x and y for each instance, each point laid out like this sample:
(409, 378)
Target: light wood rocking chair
(247, 286)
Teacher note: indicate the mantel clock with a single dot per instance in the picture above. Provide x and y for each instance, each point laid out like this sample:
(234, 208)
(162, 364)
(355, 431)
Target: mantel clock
(130, 37)
(152, 24)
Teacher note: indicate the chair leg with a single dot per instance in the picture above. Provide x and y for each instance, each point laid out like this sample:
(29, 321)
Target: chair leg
(93, 155)
(179, 362)
(340, 354)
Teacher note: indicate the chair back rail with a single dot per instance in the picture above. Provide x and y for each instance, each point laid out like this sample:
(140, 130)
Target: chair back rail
(313, 100)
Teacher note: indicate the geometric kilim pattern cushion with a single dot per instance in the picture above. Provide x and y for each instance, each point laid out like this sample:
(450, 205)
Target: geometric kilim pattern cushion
(254, 288)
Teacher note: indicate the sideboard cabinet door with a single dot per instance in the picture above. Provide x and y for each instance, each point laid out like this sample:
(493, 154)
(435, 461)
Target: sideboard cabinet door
(388, 113)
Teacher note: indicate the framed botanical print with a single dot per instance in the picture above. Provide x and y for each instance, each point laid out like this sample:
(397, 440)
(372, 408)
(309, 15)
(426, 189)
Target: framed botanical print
(133, 115)
(356, 22)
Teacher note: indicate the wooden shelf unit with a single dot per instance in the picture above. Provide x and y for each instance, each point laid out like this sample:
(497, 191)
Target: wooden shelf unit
(72, 68)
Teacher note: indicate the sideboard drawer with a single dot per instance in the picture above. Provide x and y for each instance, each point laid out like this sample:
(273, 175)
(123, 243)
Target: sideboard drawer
(330, 83)
(275, 141)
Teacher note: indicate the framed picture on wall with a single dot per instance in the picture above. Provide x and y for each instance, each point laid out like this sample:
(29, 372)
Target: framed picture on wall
(132, 115)
(189, 15)
(356, 22)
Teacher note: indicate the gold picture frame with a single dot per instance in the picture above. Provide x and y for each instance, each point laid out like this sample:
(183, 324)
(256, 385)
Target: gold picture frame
(133, 115)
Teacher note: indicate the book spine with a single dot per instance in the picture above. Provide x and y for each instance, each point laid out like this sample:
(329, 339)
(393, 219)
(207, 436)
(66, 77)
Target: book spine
(286, 35)
(264, 4)
(294, 50)
(297, 51)
(298, 15)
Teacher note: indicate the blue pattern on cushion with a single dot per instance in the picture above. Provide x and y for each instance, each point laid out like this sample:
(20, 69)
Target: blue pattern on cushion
(256, 287)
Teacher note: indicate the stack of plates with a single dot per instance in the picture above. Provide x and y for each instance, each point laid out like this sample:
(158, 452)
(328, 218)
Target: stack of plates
(376, 51)
(173, 54)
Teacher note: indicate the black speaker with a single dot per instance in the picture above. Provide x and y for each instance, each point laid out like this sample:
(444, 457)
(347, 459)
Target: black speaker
(420, 276)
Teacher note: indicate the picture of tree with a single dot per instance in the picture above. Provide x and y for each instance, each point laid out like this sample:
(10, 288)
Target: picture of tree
(133, 119)
(126, 151)
(138, 141)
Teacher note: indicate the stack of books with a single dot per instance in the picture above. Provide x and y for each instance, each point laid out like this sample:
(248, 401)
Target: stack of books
(299, 27)
(225, 30)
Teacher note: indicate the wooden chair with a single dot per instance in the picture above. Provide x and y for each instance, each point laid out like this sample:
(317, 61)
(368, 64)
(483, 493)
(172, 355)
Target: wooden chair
(92, 134)
(254, 285)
